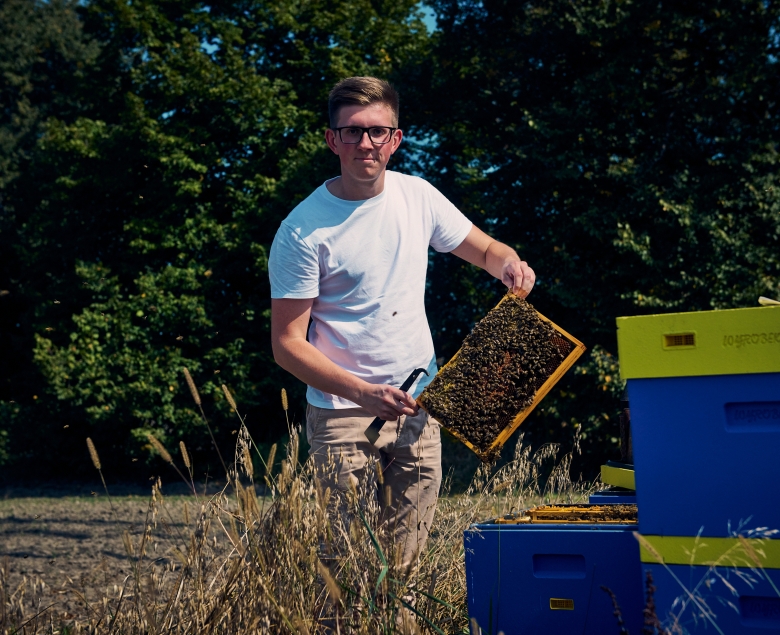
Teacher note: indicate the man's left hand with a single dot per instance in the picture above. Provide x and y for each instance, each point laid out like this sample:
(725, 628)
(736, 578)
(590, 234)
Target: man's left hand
(518, 276)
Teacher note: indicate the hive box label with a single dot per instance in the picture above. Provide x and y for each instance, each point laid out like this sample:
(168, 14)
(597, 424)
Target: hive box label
(745, 339)
(753, 416)
(760, 612)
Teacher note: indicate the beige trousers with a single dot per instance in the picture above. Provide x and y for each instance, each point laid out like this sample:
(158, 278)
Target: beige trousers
(410, 454)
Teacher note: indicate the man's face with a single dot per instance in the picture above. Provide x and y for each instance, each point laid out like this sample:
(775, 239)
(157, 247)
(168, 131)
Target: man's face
(364, 161)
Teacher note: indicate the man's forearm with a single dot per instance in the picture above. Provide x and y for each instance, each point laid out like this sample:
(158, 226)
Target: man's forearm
(299, 357)
(309, 365)
(498, 259)
(289, 323)
(496, 256)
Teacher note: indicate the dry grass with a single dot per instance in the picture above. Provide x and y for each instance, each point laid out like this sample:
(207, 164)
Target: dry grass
(301, 560)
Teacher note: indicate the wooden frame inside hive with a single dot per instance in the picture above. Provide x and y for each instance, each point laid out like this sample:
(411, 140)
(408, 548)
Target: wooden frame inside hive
(612, 514)
(569, 347)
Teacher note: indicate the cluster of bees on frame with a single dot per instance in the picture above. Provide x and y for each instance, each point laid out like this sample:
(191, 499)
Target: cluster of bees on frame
(592, 514)
(502, 363)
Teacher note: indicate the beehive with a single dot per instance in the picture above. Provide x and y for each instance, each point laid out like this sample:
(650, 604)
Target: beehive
(507, 364)
(545, 578)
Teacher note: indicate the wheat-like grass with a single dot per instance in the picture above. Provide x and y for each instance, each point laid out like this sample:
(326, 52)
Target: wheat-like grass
(93, 454)
(310, 559)
(269, 464)
(166, 456)
(184, 455)
(193, 389)
(250, 470)
(96, 462)
(333, 589)
(229, 398)
(160, 448)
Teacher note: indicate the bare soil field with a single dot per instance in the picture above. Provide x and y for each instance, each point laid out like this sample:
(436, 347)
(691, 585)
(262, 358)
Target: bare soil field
(69, 536)
(72, 539)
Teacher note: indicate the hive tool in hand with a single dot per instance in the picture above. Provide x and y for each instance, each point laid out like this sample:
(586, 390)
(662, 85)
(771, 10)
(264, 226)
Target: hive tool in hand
(372, 431)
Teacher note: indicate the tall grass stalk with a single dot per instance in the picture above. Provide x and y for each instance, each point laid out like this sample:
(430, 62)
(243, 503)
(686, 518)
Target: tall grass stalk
(196, 398)
(93, 455)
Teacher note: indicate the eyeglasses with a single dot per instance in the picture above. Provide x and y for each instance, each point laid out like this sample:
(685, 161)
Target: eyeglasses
(354, 135)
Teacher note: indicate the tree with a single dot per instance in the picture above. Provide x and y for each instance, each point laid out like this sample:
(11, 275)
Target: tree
(628, 149)
(43, 55)
(150, 214)
(45, 59)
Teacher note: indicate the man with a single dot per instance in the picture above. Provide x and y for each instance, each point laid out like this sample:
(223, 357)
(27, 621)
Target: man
(353, 258)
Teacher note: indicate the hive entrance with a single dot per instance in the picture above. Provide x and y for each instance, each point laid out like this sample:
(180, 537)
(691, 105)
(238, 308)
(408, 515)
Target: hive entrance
(509, 361)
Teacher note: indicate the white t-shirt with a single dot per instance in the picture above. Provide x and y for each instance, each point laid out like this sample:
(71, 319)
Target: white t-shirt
(364, 263)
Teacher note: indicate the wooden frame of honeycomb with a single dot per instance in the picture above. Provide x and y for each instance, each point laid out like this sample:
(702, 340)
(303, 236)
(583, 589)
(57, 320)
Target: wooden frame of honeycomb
(489, 453)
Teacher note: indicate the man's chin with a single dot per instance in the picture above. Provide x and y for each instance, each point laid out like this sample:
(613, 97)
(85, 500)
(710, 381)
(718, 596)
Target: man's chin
(367, 174)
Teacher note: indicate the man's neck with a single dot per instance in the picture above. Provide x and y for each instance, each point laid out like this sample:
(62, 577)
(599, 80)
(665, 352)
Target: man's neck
(350, 190)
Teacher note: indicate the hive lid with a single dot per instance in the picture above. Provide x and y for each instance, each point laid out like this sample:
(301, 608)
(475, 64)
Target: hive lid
(618, 475)
(732, 551)
(727, 342)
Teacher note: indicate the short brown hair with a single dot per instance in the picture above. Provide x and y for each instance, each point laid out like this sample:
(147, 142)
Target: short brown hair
(361, 91)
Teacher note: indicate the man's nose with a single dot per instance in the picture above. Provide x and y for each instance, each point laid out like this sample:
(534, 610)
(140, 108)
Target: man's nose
(365, 141)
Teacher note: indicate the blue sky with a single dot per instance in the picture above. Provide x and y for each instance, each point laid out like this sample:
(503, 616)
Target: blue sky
(429, 18)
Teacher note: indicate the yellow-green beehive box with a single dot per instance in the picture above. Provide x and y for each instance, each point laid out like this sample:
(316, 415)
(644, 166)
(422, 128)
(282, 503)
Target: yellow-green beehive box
(728, 342)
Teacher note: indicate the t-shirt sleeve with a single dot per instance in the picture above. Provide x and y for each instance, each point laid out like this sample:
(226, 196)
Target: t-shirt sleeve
(450, 225)
(293, 266)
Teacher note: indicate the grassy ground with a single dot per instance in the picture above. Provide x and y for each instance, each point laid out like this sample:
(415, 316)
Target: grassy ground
(62, 533)
(230, 561)
(63, 540)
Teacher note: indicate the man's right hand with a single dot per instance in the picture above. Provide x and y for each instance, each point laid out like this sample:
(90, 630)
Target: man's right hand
(387, 402)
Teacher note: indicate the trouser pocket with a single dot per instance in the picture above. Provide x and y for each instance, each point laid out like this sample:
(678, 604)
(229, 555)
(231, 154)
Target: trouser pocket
(412, 429)
(313, 418)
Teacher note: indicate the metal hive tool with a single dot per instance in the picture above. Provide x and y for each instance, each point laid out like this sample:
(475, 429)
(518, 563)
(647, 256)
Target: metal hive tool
(506, 365)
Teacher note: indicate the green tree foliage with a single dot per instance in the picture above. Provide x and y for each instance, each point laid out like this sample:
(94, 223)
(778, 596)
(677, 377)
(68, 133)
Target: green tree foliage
(628, 149)
(148, 151)
(137, 234)
(45, 59)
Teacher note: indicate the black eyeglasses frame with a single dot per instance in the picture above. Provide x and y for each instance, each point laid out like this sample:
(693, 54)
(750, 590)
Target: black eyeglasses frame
(364, 131)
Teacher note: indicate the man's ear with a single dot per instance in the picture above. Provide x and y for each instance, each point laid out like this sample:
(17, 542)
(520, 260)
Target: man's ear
(398, 136)
(330, 139)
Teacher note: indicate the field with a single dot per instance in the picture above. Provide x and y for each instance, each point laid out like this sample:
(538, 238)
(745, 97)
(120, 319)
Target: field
(65, 540)
(230, 561)
(62, 540)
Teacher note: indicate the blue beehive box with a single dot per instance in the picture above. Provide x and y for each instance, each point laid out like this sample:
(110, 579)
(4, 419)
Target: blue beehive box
(547, 579)
(706, 453)
(715, 584)
(704, 391)
(699, 599)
